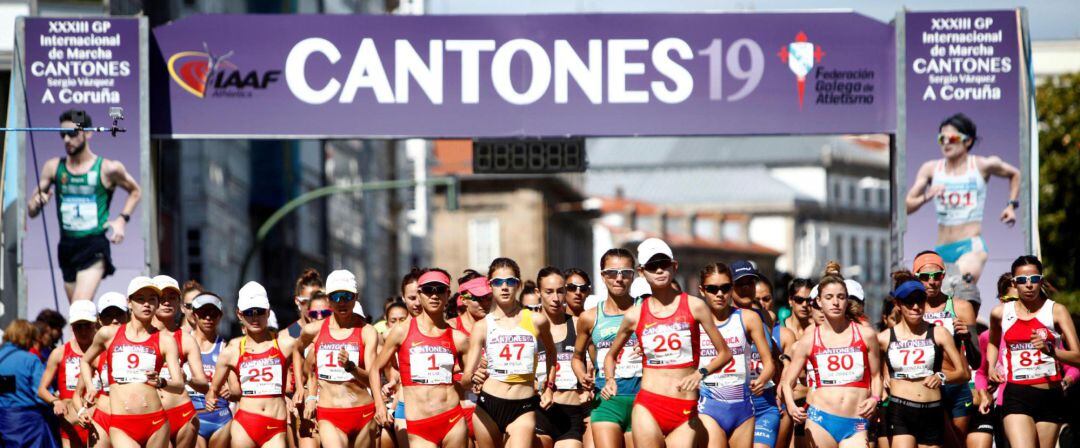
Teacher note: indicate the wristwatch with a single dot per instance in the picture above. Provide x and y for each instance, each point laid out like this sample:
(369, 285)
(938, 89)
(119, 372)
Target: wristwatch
(941, 376)
(1014, 203)
(127, 217)
(704, 372)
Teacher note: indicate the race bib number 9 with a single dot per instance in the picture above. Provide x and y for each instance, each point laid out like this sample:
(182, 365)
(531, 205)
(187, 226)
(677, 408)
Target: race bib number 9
(132, 366)
(71, 373)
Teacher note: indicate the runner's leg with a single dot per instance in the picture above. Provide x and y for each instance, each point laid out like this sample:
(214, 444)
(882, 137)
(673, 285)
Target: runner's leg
(87, 281)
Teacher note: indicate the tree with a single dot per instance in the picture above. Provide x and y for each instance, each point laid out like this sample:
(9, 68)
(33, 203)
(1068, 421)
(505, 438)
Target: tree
(1058, 103)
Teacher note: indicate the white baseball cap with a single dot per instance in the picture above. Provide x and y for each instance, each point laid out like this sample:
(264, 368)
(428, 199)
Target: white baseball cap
(341, 280)
(164, 282)
(358, 309)
(652, 247)
(639, 287)
(111, 298)
(252, 295)
(82, 310)
(854, 290)
(813, 292)
(271, 322)
(205, 299)
(141, 282)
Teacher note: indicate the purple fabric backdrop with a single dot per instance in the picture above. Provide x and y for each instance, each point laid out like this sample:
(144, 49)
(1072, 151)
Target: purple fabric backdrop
(848, 60)
(994, 106)
(112, 65)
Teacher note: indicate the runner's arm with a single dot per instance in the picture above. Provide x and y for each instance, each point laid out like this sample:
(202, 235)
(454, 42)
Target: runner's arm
(917, 196)
(472, 355)
(795, 367)
(47, 377)
(172, 362)
(992, 348)
(198, 379)
(543, 328)
(43, 191)
(622, 336)
(581, 345)
(958, 374)
(965, 313)
(1070, 353)
(994, 166)
(755, 331)
(97, 348)
(119, 176)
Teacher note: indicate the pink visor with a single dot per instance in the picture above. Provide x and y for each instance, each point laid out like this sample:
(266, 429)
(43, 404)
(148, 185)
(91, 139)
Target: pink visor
(477, 287)
(433, 277)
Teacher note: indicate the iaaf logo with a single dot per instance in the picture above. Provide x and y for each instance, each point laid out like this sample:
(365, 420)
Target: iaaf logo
(199, 71)
(800, 57)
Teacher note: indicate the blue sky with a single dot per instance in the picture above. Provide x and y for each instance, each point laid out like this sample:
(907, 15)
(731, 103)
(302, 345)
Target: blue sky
(1049, 19)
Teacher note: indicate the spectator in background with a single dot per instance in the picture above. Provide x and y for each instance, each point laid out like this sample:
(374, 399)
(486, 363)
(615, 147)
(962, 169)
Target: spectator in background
(25, 420)
(189, 292)
(50, 327)
(381, 326)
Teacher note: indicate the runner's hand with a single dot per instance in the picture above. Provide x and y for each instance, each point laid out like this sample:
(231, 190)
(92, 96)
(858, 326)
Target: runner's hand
(211, 400)
(480, 375)
(390, 389)
(1008, 216)
(1038, 342)
(381, 418)
(757, 386)
(866, 408)
(587, 382)
(960, 327)
(343, 357)
(85, 419)
(932, 382)
(995, 375)
(984, 401)
(90, 395)
(117, 226)
(798, 414)
(690, 382)
(59, 408)
(309, 410)
(610, 390)
(39, 200)
(932, 192)
(546, 398)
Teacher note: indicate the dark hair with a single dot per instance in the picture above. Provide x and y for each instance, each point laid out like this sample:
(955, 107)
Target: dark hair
(797, 284)
(318, 295)
(713, 268)
(395, 304)
(529, 287)
(389, 302)
(762, 281)
(548, 271)
(310, 277)
(69, 115)
(578, 272)
(467, 275)
(1026, 260)
(616, 252)
(412, 277)
(901, 276)
(963, 124)
(503, 262)
(52, 318)
(191, 285)
(1004, 283)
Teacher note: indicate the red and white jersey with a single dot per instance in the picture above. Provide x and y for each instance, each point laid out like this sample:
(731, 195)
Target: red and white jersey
(844, 366)
(327, 347)
(670, 342)
(129, 361)
(67, 373)
(262, 375)
(1025, 364)
(179, 338)
(426, 360)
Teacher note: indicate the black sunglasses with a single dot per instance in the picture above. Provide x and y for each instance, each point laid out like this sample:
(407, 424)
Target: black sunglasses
(69, 133)
(716, 289)
(655, 265)
(800, 300)
(434, 289)
(253, 312)
(574, 287)
(533, 307)
(341, 296)
(910, 302)
(319, 314)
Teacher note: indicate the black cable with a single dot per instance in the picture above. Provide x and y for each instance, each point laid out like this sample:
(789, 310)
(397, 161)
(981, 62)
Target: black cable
(37, 176)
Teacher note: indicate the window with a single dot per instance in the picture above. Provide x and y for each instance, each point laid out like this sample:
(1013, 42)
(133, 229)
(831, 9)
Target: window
(852, 196)
(483, 242)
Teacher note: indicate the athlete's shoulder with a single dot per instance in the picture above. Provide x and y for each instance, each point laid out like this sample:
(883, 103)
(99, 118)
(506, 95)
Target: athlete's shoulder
(928, 166)
(50, 166)
(997, 311)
